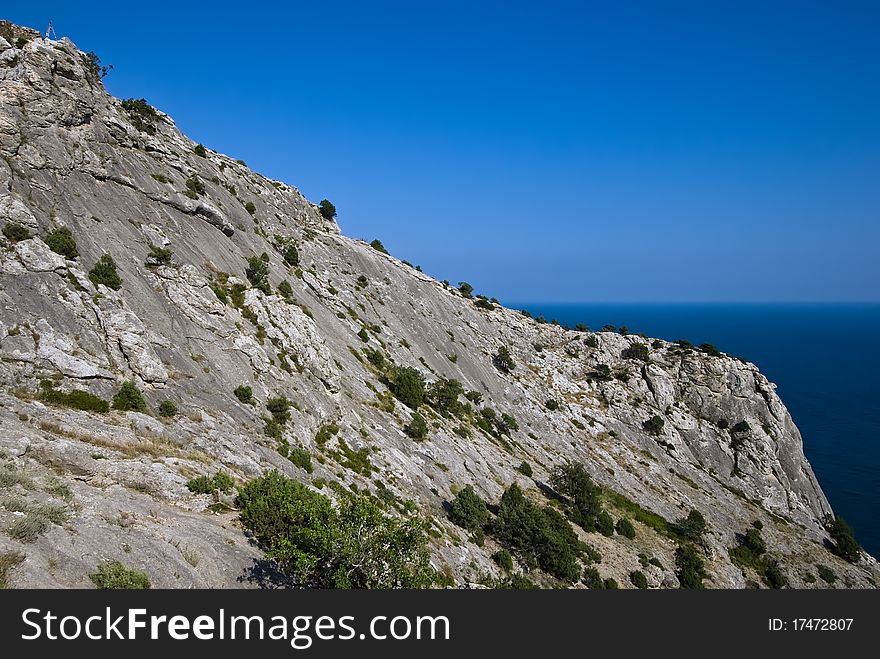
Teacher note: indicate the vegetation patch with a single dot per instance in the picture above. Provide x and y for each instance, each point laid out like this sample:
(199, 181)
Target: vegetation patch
(113, 575)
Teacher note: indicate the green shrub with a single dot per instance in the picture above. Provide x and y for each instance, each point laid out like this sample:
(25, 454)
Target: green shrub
(29, 527)
(200, 151)
(208, 485)
(610, 584)
(129, 398)
(753, 541)
(327, 209)
(250, 207)
(15, 232)
(709, 349)
(104, 272)
(583, 506)
(113, 575)
(167, 409)
(8, 561)
(691, 527)
(76, 399)
(61, 241)
(362, 281)
(690, 569)
(279, 408)
(604, 524)
(468, 510)
(378, 246)
(826, 574)
(552, 404)
(636, 350)
(301, 458)
(654, 425)
(638, 579)
(417, 428)
(465, 289)
(286, 291)
(592, 579)
(625, 528)
(159, 255)
(142, 115)
(408, 386)
(194, 186)
(845, 544)
(774, 577)
(525, 469)
(443, 395)
(542, 535)
(375, 357)
(245, 394)
(291, 255)
(319, 546)
(503, 361)
(363, 335)
(504, 560)
(257, 273)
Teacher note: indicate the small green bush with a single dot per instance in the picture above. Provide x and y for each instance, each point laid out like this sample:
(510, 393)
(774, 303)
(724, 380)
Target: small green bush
(417, 428)
(29, 527)
(129, 398)
(61, 242)
(301, 458)
(362, 281)
(592, 579)
(552, 404)
(583, 506)
(845, 544)
(291, 255)
(654, 425)
(279, 408)
(257, 273)
(209, 484)
(250, 207)
(503, 360)
(625, 528)
(15, 232)
(354, 545)
(8, 561)
(638, 579)
(468, 510)
(76, 399)
(200, 151)
(327, 209)
(753, 541)
(636, 350)
(604, 524)
(245, 394)
(142, 115)
(525, 469)
(774, 577)
(465, 289)
(610, 584)
(690, 569)
(826, 574)
(363, 335)
(742, 426)
(504, 560)
(104, 272)
(709, 349)
(159, 256)
(167, 409)
(113, 575)
(408, 386)
(194, 187)
(692, 527)
(378, 246)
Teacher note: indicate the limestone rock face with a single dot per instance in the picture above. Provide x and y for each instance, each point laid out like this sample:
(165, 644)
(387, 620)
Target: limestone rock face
(188, 326)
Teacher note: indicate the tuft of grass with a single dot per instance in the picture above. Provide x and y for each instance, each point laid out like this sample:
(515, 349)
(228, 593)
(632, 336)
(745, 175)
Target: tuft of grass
(8, 561)
(114, 575)
(28, 528)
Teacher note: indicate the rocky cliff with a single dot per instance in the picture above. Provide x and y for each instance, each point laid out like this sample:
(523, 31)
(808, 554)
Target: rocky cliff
(662, 427)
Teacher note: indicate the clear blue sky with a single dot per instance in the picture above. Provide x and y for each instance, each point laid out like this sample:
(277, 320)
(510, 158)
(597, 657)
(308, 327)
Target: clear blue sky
(607, 151)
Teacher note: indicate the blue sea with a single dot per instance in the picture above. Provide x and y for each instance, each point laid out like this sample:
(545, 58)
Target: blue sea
(825, 360)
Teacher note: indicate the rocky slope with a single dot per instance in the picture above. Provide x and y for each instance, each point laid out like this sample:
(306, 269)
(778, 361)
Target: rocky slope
(123, 179)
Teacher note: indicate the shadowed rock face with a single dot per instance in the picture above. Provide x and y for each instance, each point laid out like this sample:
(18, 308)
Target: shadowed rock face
(72, 156)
